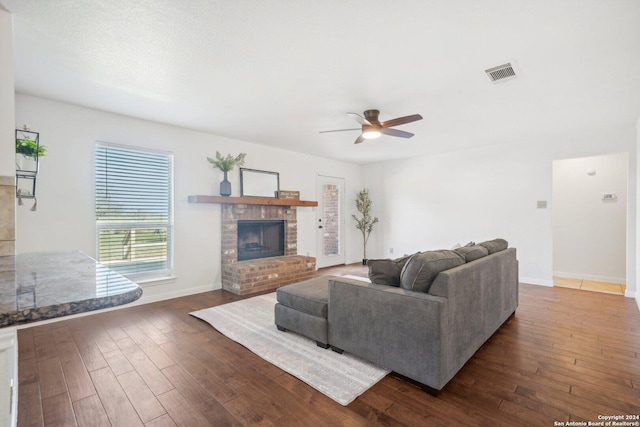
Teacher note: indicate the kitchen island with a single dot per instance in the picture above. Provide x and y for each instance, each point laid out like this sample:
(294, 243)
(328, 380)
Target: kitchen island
(45, 285)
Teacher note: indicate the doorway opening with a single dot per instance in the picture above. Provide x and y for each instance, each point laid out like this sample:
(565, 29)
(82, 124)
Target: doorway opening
(590, 223)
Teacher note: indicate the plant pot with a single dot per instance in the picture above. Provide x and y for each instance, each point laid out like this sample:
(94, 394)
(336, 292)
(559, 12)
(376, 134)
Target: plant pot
(225, 186)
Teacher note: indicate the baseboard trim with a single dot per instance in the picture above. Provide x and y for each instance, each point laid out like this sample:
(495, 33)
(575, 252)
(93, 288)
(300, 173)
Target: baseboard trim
(535, 281)
(176, 294)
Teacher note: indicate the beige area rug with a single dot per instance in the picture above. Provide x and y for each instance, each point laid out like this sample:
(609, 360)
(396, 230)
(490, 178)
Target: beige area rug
(250, 322)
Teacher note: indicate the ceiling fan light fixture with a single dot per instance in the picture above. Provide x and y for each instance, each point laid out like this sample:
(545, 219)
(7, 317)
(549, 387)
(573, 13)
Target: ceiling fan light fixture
(371, 132)
(373, 128)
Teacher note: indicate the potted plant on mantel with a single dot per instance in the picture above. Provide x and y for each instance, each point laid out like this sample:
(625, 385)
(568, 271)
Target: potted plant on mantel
(226, 164)
(365, 222)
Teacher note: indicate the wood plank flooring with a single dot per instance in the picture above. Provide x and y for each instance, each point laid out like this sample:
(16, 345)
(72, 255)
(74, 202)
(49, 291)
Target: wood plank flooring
(590, 285)
(566, 355)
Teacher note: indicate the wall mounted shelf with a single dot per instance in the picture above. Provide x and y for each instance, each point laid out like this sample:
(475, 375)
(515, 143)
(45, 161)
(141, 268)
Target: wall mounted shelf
(222, 200)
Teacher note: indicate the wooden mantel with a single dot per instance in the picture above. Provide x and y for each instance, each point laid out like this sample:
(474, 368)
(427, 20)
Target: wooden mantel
(251, 201)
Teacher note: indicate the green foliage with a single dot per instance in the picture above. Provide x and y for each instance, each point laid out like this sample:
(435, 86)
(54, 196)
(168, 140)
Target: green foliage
(228, 162)
(28, 148)
(365, 222)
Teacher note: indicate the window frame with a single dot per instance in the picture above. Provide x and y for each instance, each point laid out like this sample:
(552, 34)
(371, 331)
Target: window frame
(152, 275)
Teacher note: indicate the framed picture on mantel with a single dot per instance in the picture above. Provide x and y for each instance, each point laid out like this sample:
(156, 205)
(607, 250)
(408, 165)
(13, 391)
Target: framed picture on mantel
(257, 183)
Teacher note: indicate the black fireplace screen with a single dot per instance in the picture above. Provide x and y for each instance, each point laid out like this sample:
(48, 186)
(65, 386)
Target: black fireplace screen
(260, 239)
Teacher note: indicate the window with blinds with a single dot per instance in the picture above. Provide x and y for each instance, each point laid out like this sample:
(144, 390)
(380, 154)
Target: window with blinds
(134, 211)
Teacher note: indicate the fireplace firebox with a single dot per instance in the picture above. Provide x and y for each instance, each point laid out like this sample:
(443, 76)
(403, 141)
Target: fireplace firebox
(260, 239)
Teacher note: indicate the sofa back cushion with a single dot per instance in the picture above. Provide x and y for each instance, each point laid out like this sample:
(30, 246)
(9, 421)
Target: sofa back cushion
(421, 269)
(472, 253)
(386, 271)
(495, 245)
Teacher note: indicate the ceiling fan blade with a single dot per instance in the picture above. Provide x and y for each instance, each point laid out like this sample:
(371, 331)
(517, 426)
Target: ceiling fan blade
(358, 118)
(396, 132)
(339, 130)
(401, 120)
(359, 140)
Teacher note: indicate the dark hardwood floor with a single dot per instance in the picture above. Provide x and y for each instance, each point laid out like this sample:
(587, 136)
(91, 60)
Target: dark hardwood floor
(566, 355)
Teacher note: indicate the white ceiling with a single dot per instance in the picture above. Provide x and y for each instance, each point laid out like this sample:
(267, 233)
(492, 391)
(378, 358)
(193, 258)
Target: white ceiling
(276, 72)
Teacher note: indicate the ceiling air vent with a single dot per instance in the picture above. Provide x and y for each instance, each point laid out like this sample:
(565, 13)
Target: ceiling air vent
(501, 73)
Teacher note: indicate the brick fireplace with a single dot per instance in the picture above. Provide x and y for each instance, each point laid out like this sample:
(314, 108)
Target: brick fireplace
(256, 275)
(232, 213)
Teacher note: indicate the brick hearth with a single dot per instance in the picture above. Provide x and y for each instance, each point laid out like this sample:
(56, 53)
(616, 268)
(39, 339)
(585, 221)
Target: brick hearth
(247, 277)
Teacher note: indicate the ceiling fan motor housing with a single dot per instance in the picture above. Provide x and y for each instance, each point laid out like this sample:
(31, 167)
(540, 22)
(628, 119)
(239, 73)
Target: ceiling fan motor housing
(372, 116)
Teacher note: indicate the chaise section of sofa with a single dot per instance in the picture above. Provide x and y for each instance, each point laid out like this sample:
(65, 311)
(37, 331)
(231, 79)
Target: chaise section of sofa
(426, 337)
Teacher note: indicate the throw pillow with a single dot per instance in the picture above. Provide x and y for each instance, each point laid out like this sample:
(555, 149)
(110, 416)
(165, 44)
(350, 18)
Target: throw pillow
(386, 271)
(421, 269)
(472, 253)
(383, 272)
(495, 245)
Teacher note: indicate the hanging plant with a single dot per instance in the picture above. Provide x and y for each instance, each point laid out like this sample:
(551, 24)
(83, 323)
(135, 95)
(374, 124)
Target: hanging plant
(29, 148)
(228, 162)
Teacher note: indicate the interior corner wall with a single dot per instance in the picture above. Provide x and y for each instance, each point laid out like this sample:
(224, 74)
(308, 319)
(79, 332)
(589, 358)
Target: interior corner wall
(65, 217)
(7, 138)
(436, 201)
(7, 97)
(589, 232)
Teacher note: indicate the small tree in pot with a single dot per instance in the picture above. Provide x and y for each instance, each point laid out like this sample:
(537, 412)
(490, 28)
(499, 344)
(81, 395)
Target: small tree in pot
(365, 222)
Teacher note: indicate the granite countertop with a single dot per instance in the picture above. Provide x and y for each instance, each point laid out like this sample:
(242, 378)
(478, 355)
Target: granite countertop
(43, 285)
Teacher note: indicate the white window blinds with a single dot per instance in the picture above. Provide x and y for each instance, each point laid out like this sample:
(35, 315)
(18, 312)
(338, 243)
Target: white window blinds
(134, 211)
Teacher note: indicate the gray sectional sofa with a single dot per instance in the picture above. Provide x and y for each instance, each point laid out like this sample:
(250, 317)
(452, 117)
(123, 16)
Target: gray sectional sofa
(425, 325)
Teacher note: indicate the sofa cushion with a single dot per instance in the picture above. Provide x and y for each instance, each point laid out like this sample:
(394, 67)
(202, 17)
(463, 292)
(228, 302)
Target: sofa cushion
(421, 269)
(495, 245)
(472, 253)
(310, 296)
(386, 271)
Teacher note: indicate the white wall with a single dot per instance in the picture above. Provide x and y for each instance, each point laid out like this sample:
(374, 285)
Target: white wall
(637, 221)
(423, 203)
(7, 102)
(589, 233)
(437, 201)
(65, 218)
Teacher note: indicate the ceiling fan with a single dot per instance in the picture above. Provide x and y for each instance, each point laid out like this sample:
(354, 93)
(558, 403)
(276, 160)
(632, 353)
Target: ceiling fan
(373, 128)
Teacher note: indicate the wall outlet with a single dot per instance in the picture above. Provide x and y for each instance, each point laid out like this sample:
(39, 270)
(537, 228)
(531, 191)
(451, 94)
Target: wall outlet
(542, 204)
(390, 250)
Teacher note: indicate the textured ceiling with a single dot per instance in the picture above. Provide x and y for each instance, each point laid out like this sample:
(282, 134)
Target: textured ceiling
(276, 72)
